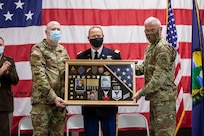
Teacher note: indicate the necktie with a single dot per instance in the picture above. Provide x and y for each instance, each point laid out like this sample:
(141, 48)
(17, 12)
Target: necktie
(96, 55)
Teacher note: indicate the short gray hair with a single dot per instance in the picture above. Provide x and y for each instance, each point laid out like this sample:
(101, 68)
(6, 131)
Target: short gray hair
(95, 27)
(152, 19)
(49, 24)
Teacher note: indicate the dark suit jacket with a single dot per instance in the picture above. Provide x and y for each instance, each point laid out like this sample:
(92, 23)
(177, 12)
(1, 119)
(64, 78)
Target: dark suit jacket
(6, 80)
(100, 110)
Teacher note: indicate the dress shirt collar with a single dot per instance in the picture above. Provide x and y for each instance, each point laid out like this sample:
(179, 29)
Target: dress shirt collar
(93, 52)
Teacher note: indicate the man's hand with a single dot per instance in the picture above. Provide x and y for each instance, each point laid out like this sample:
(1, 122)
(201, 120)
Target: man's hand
(5, 68)
(59, 102)
(137, 95)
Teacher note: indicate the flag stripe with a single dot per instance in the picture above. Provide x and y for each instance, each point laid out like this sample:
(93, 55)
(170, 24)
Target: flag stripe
(99, 17)
(177, 70)
(118, 4)
(22, 52)
(118, 16)
(105, 4)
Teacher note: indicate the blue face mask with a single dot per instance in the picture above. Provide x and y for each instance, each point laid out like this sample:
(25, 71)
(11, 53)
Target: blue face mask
(1, 49)
(55, 35)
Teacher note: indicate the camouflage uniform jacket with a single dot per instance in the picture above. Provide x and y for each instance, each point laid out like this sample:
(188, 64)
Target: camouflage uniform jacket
(158, 69)
(48, 69)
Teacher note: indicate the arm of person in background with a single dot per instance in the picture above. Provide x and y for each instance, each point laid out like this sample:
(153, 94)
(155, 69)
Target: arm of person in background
(8, 71)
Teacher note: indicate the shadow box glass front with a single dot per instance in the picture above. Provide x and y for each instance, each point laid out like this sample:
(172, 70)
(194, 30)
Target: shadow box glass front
(99, 82)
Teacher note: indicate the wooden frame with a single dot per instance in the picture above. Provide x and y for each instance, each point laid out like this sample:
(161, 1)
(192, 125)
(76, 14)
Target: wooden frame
(99, 82)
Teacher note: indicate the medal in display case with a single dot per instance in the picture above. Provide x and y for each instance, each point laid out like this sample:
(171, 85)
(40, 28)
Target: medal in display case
(99, 82)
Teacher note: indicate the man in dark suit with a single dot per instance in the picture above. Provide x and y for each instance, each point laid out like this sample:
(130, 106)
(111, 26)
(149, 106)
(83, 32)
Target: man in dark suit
(93, 114)
(8, 77)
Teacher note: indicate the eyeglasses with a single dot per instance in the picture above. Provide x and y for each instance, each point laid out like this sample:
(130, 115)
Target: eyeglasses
(151, 31)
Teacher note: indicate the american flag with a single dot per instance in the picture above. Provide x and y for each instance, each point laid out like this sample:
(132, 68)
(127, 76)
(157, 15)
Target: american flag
(20, 13)
(122, 22)
(124, 73)
(172, 39)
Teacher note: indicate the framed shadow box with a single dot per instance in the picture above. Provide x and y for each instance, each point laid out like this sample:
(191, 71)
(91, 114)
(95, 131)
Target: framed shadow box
(100, 82)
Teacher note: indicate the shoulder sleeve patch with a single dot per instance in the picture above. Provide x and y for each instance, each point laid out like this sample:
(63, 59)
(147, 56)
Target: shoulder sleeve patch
(35, 52)
(117, 51)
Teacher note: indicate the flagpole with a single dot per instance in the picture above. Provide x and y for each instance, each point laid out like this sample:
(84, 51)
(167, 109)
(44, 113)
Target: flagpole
(172, 39)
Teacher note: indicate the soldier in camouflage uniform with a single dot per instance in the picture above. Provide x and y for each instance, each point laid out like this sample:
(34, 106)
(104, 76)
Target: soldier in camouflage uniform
(158, 70)
(48, 68)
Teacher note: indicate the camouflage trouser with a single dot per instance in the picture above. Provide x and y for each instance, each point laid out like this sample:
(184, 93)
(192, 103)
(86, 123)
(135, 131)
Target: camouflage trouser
(162, 118)
(48, 120)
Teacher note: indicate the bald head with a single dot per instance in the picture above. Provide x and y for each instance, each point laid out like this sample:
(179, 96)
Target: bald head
(152, 25)
(52, 24)
(153, 29)
(53, 32)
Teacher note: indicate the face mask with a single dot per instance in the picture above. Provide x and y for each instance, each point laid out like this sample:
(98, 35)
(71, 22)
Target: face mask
(1, 49)
(55, 35)
(152, 38)
(97, 42)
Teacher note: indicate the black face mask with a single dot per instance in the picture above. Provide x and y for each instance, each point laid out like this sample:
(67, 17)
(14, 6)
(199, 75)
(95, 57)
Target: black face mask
(97, 42)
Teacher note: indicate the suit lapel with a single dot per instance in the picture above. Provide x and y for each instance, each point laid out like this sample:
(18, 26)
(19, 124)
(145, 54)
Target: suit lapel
(103, 53)
(88, 54)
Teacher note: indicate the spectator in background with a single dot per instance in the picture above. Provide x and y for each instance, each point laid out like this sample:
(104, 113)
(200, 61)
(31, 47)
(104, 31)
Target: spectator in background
(8, 77)
(158, 70)
(47, 60)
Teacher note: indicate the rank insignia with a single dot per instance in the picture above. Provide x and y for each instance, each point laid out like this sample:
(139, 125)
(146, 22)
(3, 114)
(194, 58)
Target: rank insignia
(117, 94)
(117, 51)
(127, 95)
(81, 70)
(105, 97)
(106, 73)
